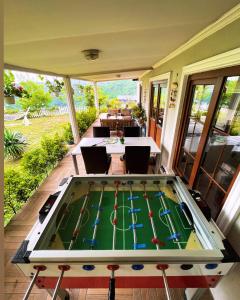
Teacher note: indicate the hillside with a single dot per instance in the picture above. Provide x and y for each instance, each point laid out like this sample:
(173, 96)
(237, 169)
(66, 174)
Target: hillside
(119, 87)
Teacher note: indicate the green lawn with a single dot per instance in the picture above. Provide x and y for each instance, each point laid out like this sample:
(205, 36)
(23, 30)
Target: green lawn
(36, 130)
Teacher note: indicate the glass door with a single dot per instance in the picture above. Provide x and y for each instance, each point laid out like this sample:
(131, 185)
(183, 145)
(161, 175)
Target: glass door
(200, 98)
(208, 148)
(157, 109)
(221, 155)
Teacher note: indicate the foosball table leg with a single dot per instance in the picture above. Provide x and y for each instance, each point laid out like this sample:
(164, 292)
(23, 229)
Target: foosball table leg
(157, 166)
(58, 292)
(62, 294)
(195, 293)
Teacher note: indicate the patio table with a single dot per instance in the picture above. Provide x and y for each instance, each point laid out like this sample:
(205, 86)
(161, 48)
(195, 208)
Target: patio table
(114, 146)
(115, 122)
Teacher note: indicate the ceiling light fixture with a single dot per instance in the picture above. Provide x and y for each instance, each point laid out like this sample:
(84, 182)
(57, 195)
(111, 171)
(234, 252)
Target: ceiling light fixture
(91, 54)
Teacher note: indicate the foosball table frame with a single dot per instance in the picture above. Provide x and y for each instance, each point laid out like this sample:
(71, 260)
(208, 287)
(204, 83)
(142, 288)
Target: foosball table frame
(58, 270)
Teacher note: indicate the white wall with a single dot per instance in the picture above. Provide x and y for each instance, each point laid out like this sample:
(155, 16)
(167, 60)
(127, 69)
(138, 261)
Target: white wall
(229, 287)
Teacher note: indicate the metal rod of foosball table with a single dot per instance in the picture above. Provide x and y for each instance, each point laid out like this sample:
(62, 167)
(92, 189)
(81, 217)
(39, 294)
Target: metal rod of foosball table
(167, 290)
(170, 220)
(111, 291)
(184, 212)
(151, 219)
(63, 269)
(115, 217)
(55, 293)
(97, 216)
(75, 232)
(133, 218)
(31, 285)
(61, 219)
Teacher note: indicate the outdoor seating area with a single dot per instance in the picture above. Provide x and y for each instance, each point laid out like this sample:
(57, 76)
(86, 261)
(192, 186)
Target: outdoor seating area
(121, 150)
(97, 150)
(117, 119)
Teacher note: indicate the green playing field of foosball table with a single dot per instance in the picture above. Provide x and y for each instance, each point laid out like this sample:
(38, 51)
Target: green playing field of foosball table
(154, 217)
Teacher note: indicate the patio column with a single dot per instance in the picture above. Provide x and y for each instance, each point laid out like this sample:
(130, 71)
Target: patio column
(138, 91)
(96, 96)
(71, 109)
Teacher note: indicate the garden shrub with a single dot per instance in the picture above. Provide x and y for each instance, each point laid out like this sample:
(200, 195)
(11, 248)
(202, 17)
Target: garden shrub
(35, 163)
(18, 187)
(54, 148)
(41, 160)
(84, 120)
(67, 134)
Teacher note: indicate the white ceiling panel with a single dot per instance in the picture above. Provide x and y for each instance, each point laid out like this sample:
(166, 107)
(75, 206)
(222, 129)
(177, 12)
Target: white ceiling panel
(131, 34)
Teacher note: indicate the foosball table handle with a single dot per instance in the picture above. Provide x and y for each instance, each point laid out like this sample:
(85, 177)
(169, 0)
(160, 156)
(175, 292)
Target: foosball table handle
(111, 291)
(202, 204)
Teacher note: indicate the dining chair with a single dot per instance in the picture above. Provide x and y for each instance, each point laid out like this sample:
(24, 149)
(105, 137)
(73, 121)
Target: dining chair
(136, 159)
(131, 131)
(96, 159)
(101, 131)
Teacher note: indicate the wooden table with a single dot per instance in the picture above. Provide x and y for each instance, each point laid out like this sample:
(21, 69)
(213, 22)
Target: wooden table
(115, 122)
(117, 147)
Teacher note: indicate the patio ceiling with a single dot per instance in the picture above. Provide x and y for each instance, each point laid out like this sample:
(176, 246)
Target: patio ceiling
(132, 35)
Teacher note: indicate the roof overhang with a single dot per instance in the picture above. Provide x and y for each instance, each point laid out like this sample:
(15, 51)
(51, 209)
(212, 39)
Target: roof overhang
(132, 36)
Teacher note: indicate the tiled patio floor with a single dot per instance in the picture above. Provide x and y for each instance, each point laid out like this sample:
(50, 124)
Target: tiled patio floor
(16, 283)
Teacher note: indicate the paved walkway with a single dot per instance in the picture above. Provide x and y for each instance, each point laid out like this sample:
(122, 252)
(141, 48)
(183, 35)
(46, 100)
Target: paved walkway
(15, 232)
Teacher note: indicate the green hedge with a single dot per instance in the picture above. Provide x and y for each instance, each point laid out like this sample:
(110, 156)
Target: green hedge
(18, 187)
(84, 120)
(20, 184)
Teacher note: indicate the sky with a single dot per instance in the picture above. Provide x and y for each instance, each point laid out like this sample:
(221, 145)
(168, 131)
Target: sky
(24, 76)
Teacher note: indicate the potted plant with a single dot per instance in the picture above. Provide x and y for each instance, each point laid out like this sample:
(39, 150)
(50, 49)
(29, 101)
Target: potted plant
(55, 87)
(12, 90)
(139, 113)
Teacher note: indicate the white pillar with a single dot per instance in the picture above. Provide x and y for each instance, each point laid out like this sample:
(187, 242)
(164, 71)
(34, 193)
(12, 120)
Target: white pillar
(71, 109)
(138, 92)
(96, 96)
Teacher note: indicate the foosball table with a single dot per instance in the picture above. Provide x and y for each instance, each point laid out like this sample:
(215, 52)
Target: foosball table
(127, 231)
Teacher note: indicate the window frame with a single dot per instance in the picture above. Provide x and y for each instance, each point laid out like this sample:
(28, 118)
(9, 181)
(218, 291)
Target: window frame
(220, 76)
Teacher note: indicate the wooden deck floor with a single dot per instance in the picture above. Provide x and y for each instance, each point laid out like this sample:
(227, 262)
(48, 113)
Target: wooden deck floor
(16, 283)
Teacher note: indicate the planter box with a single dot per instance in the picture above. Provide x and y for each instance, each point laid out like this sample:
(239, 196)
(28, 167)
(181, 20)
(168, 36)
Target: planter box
(9, 100)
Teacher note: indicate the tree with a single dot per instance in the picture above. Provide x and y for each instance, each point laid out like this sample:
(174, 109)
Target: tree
(102, 98)
(114, 103)
(88, 93)
(39, 97)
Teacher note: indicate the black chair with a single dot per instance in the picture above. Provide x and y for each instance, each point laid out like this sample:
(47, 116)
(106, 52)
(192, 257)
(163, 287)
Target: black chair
(101, 131)
(136, 159)
(96, 160)
(131, 131)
